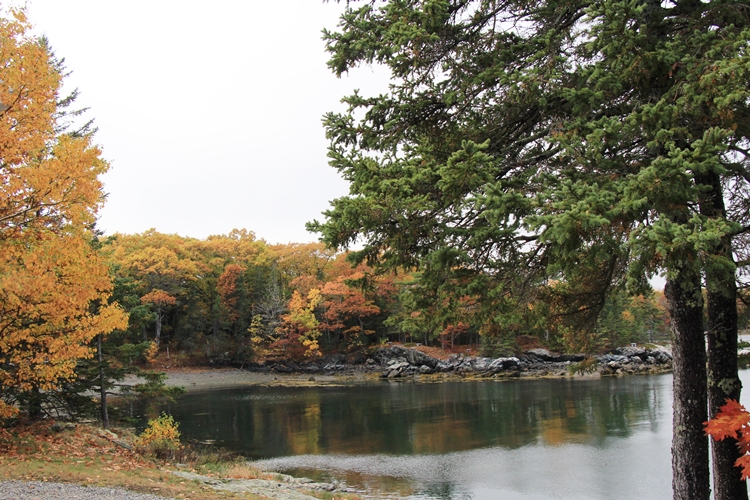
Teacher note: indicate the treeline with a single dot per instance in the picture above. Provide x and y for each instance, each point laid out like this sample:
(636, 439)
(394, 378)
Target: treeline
(231, 298)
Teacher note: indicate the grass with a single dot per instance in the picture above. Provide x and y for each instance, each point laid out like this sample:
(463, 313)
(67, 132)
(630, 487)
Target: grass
(84, 455)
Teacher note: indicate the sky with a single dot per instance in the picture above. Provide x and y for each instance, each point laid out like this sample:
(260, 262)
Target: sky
(209, 113)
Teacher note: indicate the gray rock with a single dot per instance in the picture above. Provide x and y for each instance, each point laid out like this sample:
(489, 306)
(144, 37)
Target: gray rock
(630, 351)
(398, 366)
(411, 356)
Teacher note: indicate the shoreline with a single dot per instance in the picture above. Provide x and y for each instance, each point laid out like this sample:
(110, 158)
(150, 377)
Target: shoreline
(400, 364)
(204, 379)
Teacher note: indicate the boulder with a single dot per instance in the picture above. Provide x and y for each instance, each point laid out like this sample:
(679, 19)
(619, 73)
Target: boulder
(412, 356)
(630, 351)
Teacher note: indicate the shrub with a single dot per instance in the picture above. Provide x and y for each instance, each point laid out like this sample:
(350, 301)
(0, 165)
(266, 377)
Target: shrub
(161, 438)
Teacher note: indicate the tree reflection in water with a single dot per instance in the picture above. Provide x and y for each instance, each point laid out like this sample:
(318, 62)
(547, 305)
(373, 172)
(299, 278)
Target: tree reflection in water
(448, 440)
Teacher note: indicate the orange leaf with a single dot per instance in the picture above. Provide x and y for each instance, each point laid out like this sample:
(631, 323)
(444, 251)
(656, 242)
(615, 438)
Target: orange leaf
(730, 420)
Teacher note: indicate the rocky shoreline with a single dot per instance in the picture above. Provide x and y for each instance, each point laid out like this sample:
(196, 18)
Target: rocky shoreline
(399, 362)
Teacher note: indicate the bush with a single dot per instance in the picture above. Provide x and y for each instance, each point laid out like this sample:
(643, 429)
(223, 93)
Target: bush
(161, 438)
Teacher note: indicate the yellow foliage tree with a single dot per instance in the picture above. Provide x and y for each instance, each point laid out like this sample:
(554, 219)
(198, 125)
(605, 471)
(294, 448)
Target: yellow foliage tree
(54, 288)
(301, 319)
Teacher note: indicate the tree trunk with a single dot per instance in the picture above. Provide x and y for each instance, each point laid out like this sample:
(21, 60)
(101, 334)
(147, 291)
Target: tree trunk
(158, 327)
(723, 384)
(690, 477)
(35, 403)
(102, 385)
(723, 377)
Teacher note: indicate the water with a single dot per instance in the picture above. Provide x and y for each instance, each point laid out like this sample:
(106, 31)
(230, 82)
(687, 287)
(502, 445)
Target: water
(523, 439)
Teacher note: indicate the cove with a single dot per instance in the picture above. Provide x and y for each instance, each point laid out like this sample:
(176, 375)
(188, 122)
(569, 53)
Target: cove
(520, 439)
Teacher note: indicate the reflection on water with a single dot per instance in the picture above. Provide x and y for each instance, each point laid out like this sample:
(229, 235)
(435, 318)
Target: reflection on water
(408, 418)
(523, 439)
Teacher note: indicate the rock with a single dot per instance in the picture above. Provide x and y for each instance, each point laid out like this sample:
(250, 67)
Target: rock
(411, 356)
(630, 351)
(482, 364)
(443, 367)
(542, 354)
(510, 363)
(398, 366)
(424, 369)
(613, 357)
(661, 353)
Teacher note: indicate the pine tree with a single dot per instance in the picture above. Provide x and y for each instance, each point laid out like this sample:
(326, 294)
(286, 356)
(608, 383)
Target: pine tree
(584, 143)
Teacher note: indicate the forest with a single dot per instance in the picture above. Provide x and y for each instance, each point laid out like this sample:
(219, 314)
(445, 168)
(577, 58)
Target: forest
(233, 298)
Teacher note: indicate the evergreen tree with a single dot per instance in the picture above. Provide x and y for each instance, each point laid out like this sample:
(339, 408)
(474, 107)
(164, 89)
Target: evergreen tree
(590, 143)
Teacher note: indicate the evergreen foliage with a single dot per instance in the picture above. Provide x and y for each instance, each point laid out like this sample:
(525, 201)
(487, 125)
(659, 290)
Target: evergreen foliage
(552, 153)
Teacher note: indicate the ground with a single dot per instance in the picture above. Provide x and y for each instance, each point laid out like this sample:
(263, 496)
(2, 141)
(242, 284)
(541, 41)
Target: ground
(85, 454)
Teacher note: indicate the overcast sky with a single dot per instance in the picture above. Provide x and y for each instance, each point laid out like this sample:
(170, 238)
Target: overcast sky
(210, 113)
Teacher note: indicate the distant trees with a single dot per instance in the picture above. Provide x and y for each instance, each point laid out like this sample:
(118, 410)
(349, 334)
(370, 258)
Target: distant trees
(229, 298)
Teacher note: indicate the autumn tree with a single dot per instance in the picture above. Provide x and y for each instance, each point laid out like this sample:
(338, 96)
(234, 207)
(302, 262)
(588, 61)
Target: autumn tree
(346, 311)
(588, 143)
(200, 295)
(54, 287)
(296, 260)
(160, 266)
(300, 327)
(233, 271)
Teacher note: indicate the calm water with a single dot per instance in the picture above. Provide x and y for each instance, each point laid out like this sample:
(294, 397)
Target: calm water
(525, 439)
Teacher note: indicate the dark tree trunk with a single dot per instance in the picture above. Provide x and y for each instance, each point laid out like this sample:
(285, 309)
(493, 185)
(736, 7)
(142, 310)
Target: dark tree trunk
(723, 378)
(723, 384)
(690, 477)
(102, 385)
(35, 404)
